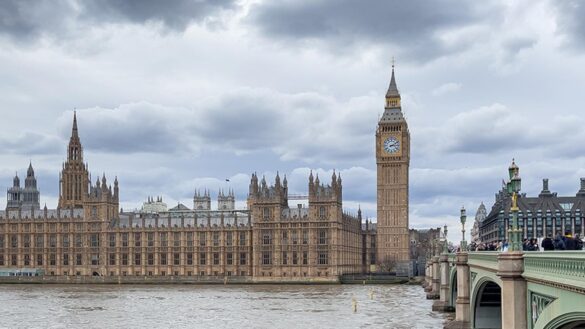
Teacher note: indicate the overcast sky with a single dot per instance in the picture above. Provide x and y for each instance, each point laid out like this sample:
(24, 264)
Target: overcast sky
(173, 96)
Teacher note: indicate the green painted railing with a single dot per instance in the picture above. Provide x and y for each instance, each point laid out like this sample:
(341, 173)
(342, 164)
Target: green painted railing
(486, 259)
(563, 267)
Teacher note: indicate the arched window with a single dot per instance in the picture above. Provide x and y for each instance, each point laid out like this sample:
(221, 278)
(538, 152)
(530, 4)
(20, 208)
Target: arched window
(266, 213)
(322, 212)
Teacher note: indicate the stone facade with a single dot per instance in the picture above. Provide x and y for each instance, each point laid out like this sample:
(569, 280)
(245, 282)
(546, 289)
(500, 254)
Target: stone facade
(87, 235)
(538, 217)
(393, 161)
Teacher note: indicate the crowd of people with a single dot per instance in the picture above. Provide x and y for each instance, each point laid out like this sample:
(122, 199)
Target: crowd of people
(559, 242)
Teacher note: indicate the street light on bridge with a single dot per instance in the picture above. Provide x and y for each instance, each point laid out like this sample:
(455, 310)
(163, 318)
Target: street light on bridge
(445, 247)
(513, 186)
(463, 218)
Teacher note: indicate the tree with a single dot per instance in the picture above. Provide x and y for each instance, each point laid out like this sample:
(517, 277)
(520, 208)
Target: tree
(386, 264)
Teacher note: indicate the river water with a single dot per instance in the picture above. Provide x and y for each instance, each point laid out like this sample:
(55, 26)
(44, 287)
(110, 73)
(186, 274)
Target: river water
(215, 306)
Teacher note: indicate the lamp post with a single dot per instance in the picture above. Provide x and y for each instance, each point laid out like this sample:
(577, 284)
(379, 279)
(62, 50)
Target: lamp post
(513, 187)
(463, 218)
(445, 246)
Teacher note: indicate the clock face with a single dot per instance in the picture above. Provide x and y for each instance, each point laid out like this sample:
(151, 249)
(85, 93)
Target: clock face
(391, 145)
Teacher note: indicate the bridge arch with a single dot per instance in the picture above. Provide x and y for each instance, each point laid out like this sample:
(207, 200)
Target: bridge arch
(452, 296)
(571, 320)
(487, 304)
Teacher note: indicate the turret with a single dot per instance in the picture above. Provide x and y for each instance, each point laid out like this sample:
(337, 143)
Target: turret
(16, 181)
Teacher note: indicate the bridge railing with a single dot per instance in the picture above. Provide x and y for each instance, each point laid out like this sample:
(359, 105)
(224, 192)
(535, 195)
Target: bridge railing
(560, 267)
(485, 259)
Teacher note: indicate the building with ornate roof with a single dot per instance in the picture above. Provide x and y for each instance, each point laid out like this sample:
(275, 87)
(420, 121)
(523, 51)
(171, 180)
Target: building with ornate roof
(27, 198)
(538, 216)
(87, 235)
(480, 216)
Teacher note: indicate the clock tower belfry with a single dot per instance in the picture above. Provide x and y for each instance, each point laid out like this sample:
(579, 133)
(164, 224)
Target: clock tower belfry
(392, 162)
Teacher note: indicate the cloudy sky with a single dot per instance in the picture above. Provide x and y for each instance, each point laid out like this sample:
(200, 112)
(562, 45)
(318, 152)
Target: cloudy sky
(177, 95)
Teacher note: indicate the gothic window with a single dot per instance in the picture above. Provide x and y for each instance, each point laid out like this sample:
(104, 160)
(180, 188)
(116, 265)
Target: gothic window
(177, 239)
(124, 259)
(295, 258)
(202, 239)
(164, 239)
(229, 258)
(163, 259)
(305, 258)
(137, 259)
(94, 211)
(150, 259)
(202, 258)
(65, 241)
(176, 259)
(242, 238)
(78, 259)
(305, 236)
(284, 258)
(243, 258)
(322, 237)
(215, 258)
(229, 239)
(323, 258)
(53, 241)
(137, 239)
(112, 259)
(124, 239)
(190, 258)
(266, 237)
(266, 213)
(95, 259)
(95, 240)
(150, 237)
(189, 239)
(26, 260)
(14, 241)
(322, 212)
(216, 239)
(39, 260)
(26, 241)
(266, 258)
(52, 259)
(295, 237)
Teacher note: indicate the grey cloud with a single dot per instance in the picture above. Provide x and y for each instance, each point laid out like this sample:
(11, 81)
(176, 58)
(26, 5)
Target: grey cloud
(570, 21)
(25, 20)
(292, 126)
(175, 14)
(30, 143)
(414, 27)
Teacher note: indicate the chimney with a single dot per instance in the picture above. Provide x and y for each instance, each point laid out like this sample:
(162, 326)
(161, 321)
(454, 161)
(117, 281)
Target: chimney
(582, 189)
(545, 191)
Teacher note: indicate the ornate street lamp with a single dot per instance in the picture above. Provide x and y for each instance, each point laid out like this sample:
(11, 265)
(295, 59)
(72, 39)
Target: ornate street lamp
(445, 246)
(463, 218)
(513, 187)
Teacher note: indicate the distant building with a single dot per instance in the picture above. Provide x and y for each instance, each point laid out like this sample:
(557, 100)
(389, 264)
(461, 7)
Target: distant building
(538, 217)
(269, 241)
(480, 216)
(26, 198)
(154, 206)
(421, 247)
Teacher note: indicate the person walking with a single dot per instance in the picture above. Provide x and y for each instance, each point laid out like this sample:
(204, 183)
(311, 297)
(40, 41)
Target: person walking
(569, 241)
(578, 242)
(547, 243)
(559, 242)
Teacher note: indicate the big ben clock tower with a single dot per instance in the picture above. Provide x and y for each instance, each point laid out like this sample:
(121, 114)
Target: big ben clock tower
(392, 160)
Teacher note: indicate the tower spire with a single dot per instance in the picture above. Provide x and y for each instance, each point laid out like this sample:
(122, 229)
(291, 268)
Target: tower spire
(74, 132)
(392, 88)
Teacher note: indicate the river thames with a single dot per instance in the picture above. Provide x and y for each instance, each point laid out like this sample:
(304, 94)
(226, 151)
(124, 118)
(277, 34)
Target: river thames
(215, 306)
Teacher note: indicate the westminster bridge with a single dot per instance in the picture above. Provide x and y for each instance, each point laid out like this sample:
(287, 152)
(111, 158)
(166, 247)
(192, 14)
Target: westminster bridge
(532, 290)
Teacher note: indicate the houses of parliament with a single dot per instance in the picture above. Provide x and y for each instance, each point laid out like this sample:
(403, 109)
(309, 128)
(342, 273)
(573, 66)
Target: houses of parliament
(88, 235)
